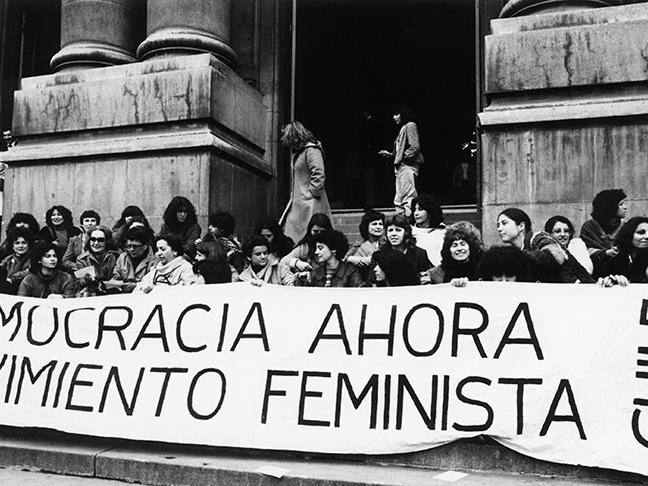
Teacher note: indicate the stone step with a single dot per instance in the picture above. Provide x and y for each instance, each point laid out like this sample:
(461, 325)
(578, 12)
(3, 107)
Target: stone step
(168, 464)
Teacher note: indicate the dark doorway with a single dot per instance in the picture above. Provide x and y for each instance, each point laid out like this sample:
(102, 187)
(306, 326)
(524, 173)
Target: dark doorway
(355, 55)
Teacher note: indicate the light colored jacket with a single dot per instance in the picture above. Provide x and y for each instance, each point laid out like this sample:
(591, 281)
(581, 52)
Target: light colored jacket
(125, 272)
(274, 272)
(177, 272)
(407, 149)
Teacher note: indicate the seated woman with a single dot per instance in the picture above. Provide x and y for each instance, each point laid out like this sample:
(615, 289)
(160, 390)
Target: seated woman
(460, 255)
(136, 261)
(630, 264)
(59, 228)
(372, 232)
(180, 220)
(221, 229)
(212, 272)
(302, 257)
(393, 269)
(16, 265)
(428, 229)
(127, 215)
(264, 267)
(99, 257)
(89, 220)
(399, 238)
(503, 264)
(280, 244)
(562, 231)
(213, 251)
(331, 270)
(19, 220)
(609, 208)
(45, 279)
(172, 268)
(568, 269)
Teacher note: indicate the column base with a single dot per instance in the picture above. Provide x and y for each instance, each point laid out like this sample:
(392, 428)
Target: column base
(83, 55)
(517, 8)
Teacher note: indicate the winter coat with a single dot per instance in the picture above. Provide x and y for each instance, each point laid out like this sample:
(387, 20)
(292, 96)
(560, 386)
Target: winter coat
(188, 235)
(308, 195)
(274, 272)
(176, 272)
(17, 268)
(74, 249)
(103, 269)
(125, 272)
(38, 285)
(345, 275)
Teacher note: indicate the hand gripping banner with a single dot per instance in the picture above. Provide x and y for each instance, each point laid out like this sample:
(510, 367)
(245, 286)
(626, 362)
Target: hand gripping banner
(556, 372)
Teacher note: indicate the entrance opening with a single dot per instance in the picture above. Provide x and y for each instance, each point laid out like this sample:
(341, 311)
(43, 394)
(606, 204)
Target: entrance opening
(370, 55)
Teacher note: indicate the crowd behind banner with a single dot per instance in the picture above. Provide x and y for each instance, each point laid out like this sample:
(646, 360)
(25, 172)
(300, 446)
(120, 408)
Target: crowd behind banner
(61, 259)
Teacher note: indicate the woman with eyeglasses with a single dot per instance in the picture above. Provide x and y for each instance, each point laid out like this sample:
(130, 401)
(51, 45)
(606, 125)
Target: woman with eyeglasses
(99, 257)
(136, 261)
(45, 279)
(172, 268)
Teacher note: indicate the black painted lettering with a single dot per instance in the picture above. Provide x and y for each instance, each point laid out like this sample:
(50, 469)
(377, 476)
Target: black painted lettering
(520, 383)
(165, 383)
(269, 391)
(371, 386)
(388, 336)
(221, 338)
(192, 389)
(59, 385)
(643, 317)
(305, 393)
(522, 309)
(439, 326)
(66, 326)
(563, 387)
(471, 401)
(76, 382)
(26, 369)
(636, 431)
(30, 325)
(262, 334)
(181, 343)
(12, 373)
(158, 316)
(471, 331)
(113, 376)
(405, 385)
(14, 313)
(116, 328)
(341, 336)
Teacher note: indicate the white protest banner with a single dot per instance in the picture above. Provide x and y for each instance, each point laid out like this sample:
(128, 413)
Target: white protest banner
(557, 372)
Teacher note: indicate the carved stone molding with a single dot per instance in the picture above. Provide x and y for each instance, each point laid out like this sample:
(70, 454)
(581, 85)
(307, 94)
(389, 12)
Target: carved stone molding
(516, 8)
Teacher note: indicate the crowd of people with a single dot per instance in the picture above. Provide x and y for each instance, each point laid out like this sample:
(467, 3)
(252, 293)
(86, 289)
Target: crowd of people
(61, 259)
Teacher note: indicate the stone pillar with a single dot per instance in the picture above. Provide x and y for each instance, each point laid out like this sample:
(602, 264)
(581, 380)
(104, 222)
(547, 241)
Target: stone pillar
(516, 8)
(180, 27)
(567, 114)
(96, 33)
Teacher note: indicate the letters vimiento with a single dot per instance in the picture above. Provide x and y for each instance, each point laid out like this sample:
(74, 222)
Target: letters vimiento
(385, 398)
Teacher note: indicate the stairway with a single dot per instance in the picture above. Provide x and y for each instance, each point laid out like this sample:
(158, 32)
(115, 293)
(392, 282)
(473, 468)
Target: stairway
(347, 220)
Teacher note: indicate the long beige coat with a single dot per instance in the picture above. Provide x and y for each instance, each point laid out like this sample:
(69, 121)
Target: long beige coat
(308, 195)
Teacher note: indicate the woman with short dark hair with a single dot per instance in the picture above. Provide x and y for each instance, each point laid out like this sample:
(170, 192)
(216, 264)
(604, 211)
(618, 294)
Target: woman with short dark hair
(135, 262)
(399, 238)
(263, 266)
(99, 257)
(372, 232)
(172, 268)
(562, 229)
(428, 228)
(45, 279)
(332, 271)
(280, 244)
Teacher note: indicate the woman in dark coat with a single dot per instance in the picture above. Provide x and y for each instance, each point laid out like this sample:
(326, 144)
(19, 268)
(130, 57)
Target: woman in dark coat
(280, 244)
(460, 255)
(180, 220)
(308, 195)
(330, 248)
(631, 261)
(45, 279)
(399, 238)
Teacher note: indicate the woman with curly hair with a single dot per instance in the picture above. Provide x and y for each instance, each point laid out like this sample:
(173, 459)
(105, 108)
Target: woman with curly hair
(399, 238)
(127, 215)
(45, 279)
(308, 196)
(16, 265)
(460, 255)
(302, 257)
(608, 210)
(19, 220)
(59, 228)
(180, 220)
(631, 261)
(331, 271)
(280, 244)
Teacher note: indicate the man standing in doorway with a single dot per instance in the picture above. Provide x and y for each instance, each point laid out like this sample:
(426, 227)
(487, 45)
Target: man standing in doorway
(407, 158)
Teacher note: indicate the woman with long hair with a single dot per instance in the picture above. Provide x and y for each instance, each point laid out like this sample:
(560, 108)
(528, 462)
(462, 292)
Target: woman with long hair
(280, 244)
(407, 158)
(609, 208)
(59, 228)
(45, 279)
(428, 228)
(180, 220)
(392, 269)
(460, 255)
(302, 258)
(514, 228)
(399, 238)
(127, 215)
(308, 196)
(631, 261)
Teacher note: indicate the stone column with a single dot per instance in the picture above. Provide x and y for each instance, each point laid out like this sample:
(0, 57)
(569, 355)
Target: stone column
(96, 33)
(180, 27)
(516, 8)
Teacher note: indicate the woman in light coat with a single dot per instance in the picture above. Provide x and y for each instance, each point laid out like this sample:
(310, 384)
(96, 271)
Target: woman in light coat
(308, 195)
